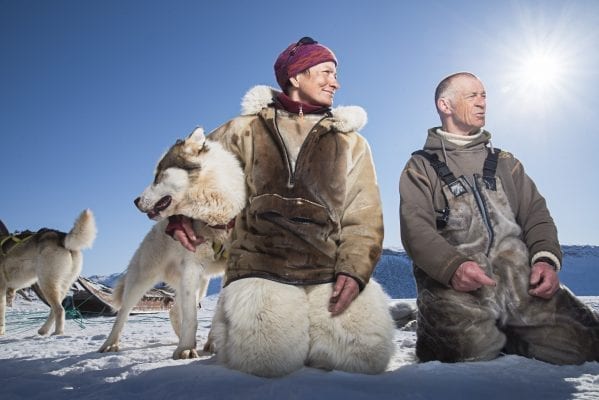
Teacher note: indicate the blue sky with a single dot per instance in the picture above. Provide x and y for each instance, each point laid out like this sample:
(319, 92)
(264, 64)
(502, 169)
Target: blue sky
(93, 92)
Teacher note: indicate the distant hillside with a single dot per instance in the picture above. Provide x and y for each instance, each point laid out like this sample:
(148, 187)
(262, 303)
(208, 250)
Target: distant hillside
(109, 280)
(580, 273)
(394, 273)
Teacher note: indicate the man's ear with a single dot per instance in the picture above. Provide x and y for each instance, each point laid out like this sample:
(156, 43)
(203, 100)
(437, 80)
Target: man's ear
(444, 105)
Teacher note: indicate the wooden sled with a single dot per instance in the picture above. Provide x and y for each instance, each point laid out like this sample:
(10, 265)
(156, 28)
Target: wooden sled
(94, 299)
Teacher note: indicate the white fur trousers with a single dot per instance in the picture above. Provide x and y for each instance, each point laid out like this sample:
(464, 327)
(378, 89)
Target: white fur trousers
(271, 329)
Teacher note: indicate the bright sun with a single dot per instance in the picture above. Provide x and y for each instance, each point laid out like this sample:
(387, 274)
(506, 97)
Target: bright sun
(540, 69)
(541, 61)
(538, 77)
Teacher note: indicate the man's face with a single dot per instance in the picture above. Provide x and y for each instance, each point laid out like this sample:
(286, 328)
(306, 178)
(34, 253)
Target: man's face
(317, 85)
(468, 104)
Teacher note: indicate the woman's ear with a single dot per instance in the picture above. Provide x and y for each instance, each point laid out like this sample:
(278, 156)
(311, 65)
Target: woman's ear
(294, 80)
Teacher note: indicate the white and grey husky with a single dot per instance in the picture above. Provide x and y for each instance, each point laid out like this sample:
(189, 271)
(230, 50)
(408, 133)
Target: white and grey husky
(197, 178)
(51, 258)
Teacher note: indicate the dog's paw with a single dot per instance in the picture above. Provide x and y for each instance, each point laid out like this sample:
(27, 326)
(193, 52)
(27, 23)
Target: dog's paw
(185, 354)
(109, 348)
(42, 331)
(2, 331)
(209, 347)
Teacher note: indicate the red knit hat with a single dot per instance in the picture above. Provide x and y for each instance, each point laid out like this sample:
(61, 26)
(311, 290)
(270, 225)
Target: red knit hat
(300, 56)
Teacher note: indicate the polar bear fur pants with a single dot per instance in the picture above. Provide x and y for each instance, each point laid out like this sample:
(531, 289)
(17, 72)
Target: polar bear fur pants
(271, 329)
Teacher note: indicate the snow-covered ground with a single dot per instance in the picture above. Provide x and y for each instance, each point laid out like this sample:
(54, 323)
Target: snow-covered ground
(69, 367)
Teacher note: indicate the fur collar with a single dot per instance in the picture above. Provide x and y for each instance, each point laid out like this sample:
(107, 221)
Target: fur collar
(346, 118)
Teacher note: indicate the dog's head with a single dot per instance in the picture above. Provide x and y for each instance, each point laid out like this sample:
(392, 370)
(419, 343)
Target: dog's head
(178, 168)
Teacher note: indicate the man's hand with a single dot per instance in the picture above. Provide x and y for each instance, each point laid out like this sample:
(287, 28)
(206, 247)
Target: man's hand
(345, 290)
(544, 281)
(470, 276)
(181, 229)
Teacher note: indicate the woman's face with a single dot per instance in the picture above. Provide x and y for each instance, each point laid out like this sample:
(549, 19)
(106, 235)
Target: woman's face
(317, 85)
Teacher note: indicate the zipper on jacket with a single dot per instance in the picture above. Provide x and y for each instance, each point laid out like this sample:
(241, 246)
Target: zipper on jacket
(483, 211)
(290, 169)
(285, 152)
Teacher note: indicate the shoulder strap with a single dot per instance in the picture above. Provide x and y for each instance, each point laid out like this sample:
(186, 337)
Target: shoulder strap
(490, 168)
(443, 172)
(439, 166)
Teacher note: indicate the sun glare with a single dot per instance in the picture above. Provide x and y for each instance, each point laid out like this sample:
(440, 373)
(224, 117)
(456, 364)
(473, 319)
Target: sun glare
(538, 75)
(541, 61)
(540, 69)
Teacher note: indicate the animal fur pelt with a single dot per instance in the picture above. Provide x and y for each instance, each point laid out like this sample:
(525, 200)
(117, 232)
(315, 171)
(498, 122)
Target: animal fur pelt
(347, 118)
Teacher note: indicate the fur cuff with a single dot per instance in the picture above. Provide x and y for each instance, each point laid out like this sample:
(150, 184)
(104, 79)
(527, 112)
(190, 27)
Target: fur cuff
(548, 255)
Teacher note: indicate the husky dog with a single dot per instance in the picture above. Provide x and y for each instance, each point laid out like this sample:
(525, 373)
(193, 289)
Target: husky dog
(197, 178)
(52, 259)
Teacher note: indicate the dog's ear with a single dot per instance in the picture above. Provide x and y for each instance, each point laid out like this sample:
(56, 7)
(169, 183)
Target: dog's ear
(197, 135)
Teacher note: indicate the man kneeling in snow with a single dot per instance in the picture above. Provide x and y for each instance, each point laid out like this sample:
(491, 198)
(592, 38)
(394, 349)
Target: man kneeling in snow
(485, 247)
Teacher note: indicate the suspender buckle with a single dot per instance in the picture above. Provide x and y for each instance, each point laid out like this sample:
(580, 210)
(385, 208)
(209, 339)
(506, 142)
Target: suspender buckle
(442, 218)
(490, 182)
(457, 188)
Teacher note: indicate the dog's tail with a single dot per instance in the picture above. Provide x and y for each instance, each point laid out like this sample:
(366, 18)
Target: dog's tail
(83, 233)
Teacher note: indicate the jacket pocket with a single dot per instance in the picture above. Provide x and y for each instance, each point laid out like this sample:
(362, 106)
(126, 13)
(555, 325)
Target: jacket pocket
(296, 215)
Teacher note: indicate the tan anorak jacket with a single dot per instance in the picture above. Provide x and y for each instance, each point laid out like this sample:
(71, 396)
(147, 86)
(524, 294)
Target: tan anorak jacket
(421, 195)
(303, 225)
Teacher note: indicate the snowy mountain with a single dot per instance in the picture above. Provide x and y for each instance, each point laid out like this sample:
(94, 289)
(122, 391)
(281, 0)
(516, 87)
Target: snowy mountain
(109, 280)
(580, 272)
(394, 273)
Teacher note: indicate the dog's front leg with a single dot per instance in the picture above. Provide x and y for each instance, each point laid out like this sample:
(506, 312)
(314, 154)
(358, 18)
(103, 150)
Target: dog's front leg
(187, 296)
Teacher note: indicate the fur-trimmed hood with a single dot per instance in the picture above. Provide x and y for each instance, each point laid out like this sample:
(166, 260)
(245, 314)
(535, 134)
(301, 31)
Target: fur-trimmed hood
(347, 118)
